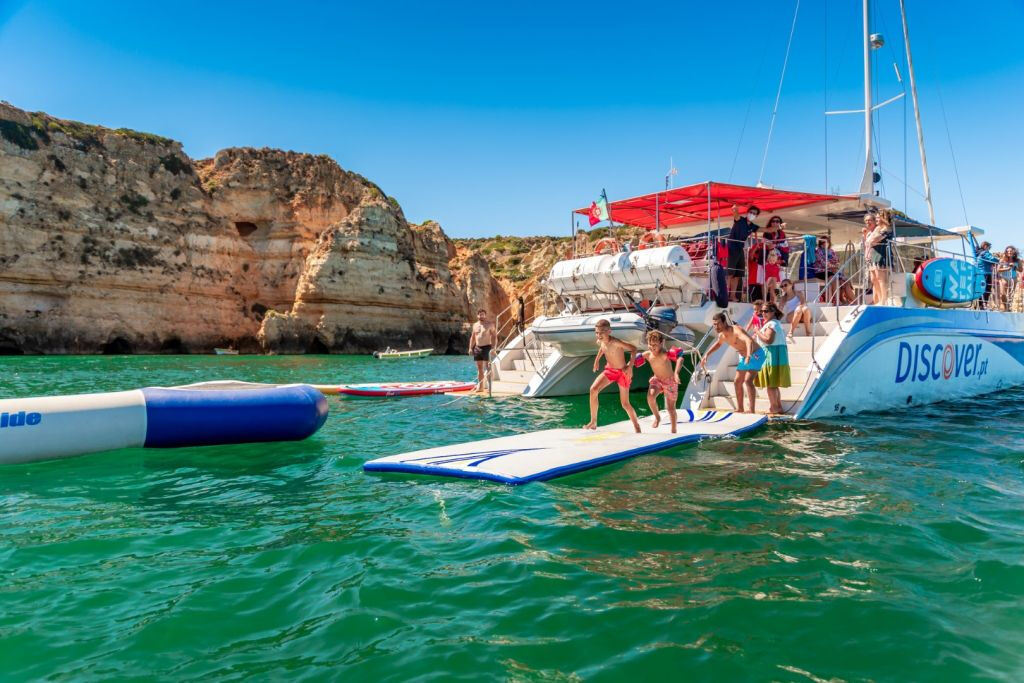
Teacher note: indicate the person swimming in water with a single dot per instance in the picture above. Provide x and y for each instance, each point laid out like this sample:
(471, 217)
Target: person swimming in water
(617, 369)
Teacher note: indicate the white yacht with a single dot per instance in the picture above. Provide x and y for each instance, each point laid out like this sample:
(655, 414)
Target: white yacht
(905, 351)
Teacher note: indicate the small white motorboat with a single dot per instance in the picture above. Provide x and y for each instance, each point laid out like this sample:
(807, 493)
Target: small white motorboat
(391, 354)
(226, 352)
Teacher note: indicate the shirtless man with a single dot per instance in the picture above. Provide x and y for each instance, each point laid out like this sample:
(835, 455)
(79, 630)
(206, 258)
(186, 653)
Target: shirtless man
(664, 378)
(751, 358)
(481, 342)
(617, 369)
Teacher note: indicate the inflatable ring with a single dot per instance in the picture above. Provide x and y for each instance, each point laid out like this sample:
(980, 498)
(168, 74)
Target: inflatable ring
(652, 236)
(610, 242)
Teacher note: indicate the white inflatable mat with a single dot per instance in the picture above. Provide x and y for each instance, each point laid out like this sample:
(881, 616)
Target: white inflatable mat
(557, 452)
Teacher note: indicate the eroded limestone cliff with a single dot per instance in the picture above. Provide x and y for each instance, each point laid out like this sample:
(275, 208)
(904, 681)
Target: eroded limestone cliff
(116, 241)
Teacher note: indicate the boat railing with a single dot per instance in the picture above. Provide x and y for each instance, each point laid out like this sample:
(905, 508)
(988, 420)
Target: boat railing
(517, 318)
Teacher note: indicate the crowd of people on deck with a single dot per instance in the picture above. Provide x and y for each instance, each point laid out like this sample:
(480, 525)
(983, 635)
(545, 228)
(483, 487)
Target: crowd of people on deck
(762, 257)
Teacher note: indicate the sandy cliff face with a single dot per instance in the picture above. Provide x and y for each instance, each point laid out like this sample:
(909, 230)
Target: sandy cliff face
(116, 241)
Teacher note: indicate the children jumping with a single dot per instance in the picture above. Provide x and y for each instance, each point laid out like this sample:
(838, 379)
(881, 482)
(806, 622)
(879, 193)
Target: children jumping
(664, 379)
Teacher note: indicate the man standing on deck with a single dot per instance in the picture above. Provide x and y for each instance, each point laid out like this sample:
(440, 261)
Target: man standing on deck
(742, 228)
(986, 261)
(481, 342)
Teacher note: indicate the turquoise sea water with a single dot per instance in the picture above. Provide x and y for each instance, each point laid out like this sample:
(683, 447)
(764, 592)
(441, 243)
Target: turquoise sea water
(883, 547)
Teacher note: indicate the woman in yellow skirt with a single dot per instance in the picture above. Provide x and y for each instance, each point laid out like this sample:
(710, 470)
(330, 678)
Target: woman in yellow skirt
(774, 374)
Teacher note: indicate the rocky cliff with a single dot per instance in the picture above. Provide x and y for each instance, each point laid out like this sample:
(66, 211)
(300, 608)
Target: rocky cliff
(116, 241)
(518, 264)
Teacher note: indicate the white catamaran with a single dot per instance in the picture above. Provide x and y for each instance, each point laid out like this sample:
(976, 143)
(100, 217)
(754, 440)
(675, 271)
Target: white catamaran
(907, 350)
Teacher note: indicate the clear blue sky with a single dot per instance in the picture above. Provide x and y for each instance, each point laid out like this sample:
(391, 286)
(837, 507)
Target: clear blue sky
(502, 117)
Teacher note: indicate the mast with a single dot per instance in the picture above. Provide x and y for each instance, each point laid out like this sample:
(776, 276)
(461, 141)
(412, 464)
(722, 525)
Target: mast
(917, 117)
(867, 183)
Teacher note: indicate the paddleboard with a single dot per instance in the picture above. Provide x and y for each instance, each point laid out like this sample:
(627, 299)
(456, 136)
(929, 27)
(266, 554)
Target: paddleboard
(925, 299)
(551, 453)
(392, 389)
(948, 281)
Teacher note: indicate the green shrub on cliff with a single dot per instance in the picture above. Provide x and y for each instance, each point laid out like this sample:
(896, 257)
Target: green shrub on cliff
(19, 134)
(87, 137)
(174, 164)
(139, 136)
(134, 201)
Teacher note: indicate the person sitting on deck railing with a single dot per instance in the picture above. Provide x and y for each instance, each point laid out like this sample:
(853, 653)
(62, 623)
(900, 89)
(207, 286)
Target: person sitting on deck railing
(794, 308)
(826, 265)
(774, 236)
(772, 275)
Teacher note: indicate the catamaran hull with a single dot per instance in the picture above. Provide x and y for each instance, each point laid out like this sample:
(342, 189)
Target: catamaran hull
(896, 358)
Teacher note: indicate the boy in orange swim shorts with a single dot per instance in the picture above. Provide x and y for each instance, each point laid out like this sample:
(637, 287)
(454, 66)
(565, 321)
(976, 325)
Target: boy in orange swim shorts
(664, 380)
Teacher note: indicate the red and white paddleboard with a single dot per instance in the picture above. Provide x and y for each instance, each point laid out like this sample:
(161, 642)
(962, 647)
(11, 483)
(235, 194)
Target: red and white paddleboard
(389, 389)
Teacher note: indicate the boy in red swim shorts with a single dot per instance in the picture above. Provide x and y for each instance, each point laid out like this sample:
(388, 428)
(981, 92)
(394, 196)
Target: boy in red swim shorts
(617, 369)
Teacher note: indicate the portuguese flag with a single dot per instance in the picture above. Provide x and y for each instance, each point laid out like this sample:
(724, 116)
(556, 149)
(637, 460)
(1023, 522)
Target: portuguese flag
(599, 210)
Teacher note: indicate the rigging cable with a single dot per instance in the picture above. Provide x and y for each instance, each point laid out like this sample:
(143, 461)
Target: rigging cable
(778, 94)
(949, 139)
(746, 117)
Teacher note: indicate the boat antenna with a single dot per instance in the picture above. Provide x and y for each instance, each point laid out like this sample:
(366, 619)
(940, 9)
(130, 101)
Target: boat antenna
(917, 120)
(778, 94)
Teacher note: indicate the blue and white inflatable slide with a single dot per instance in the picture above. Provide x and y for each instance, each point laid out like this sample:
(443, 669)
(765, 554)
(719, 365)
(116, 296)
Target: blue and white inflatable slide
(205, 414)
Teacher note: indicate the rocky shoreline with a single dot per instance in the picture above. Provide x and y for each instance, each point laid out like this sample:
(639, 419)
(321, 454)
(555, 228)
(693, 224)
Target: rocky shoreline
(115, 241)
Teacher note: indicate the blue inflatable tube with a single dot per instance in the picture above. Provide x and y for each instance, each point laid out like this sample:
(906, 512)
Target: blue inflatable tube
(177, 418)
(207, 414)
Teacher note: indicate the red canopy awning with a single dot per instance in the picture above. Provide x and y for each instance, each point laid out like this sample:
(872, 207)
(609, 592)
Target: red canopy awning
(690, 204)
